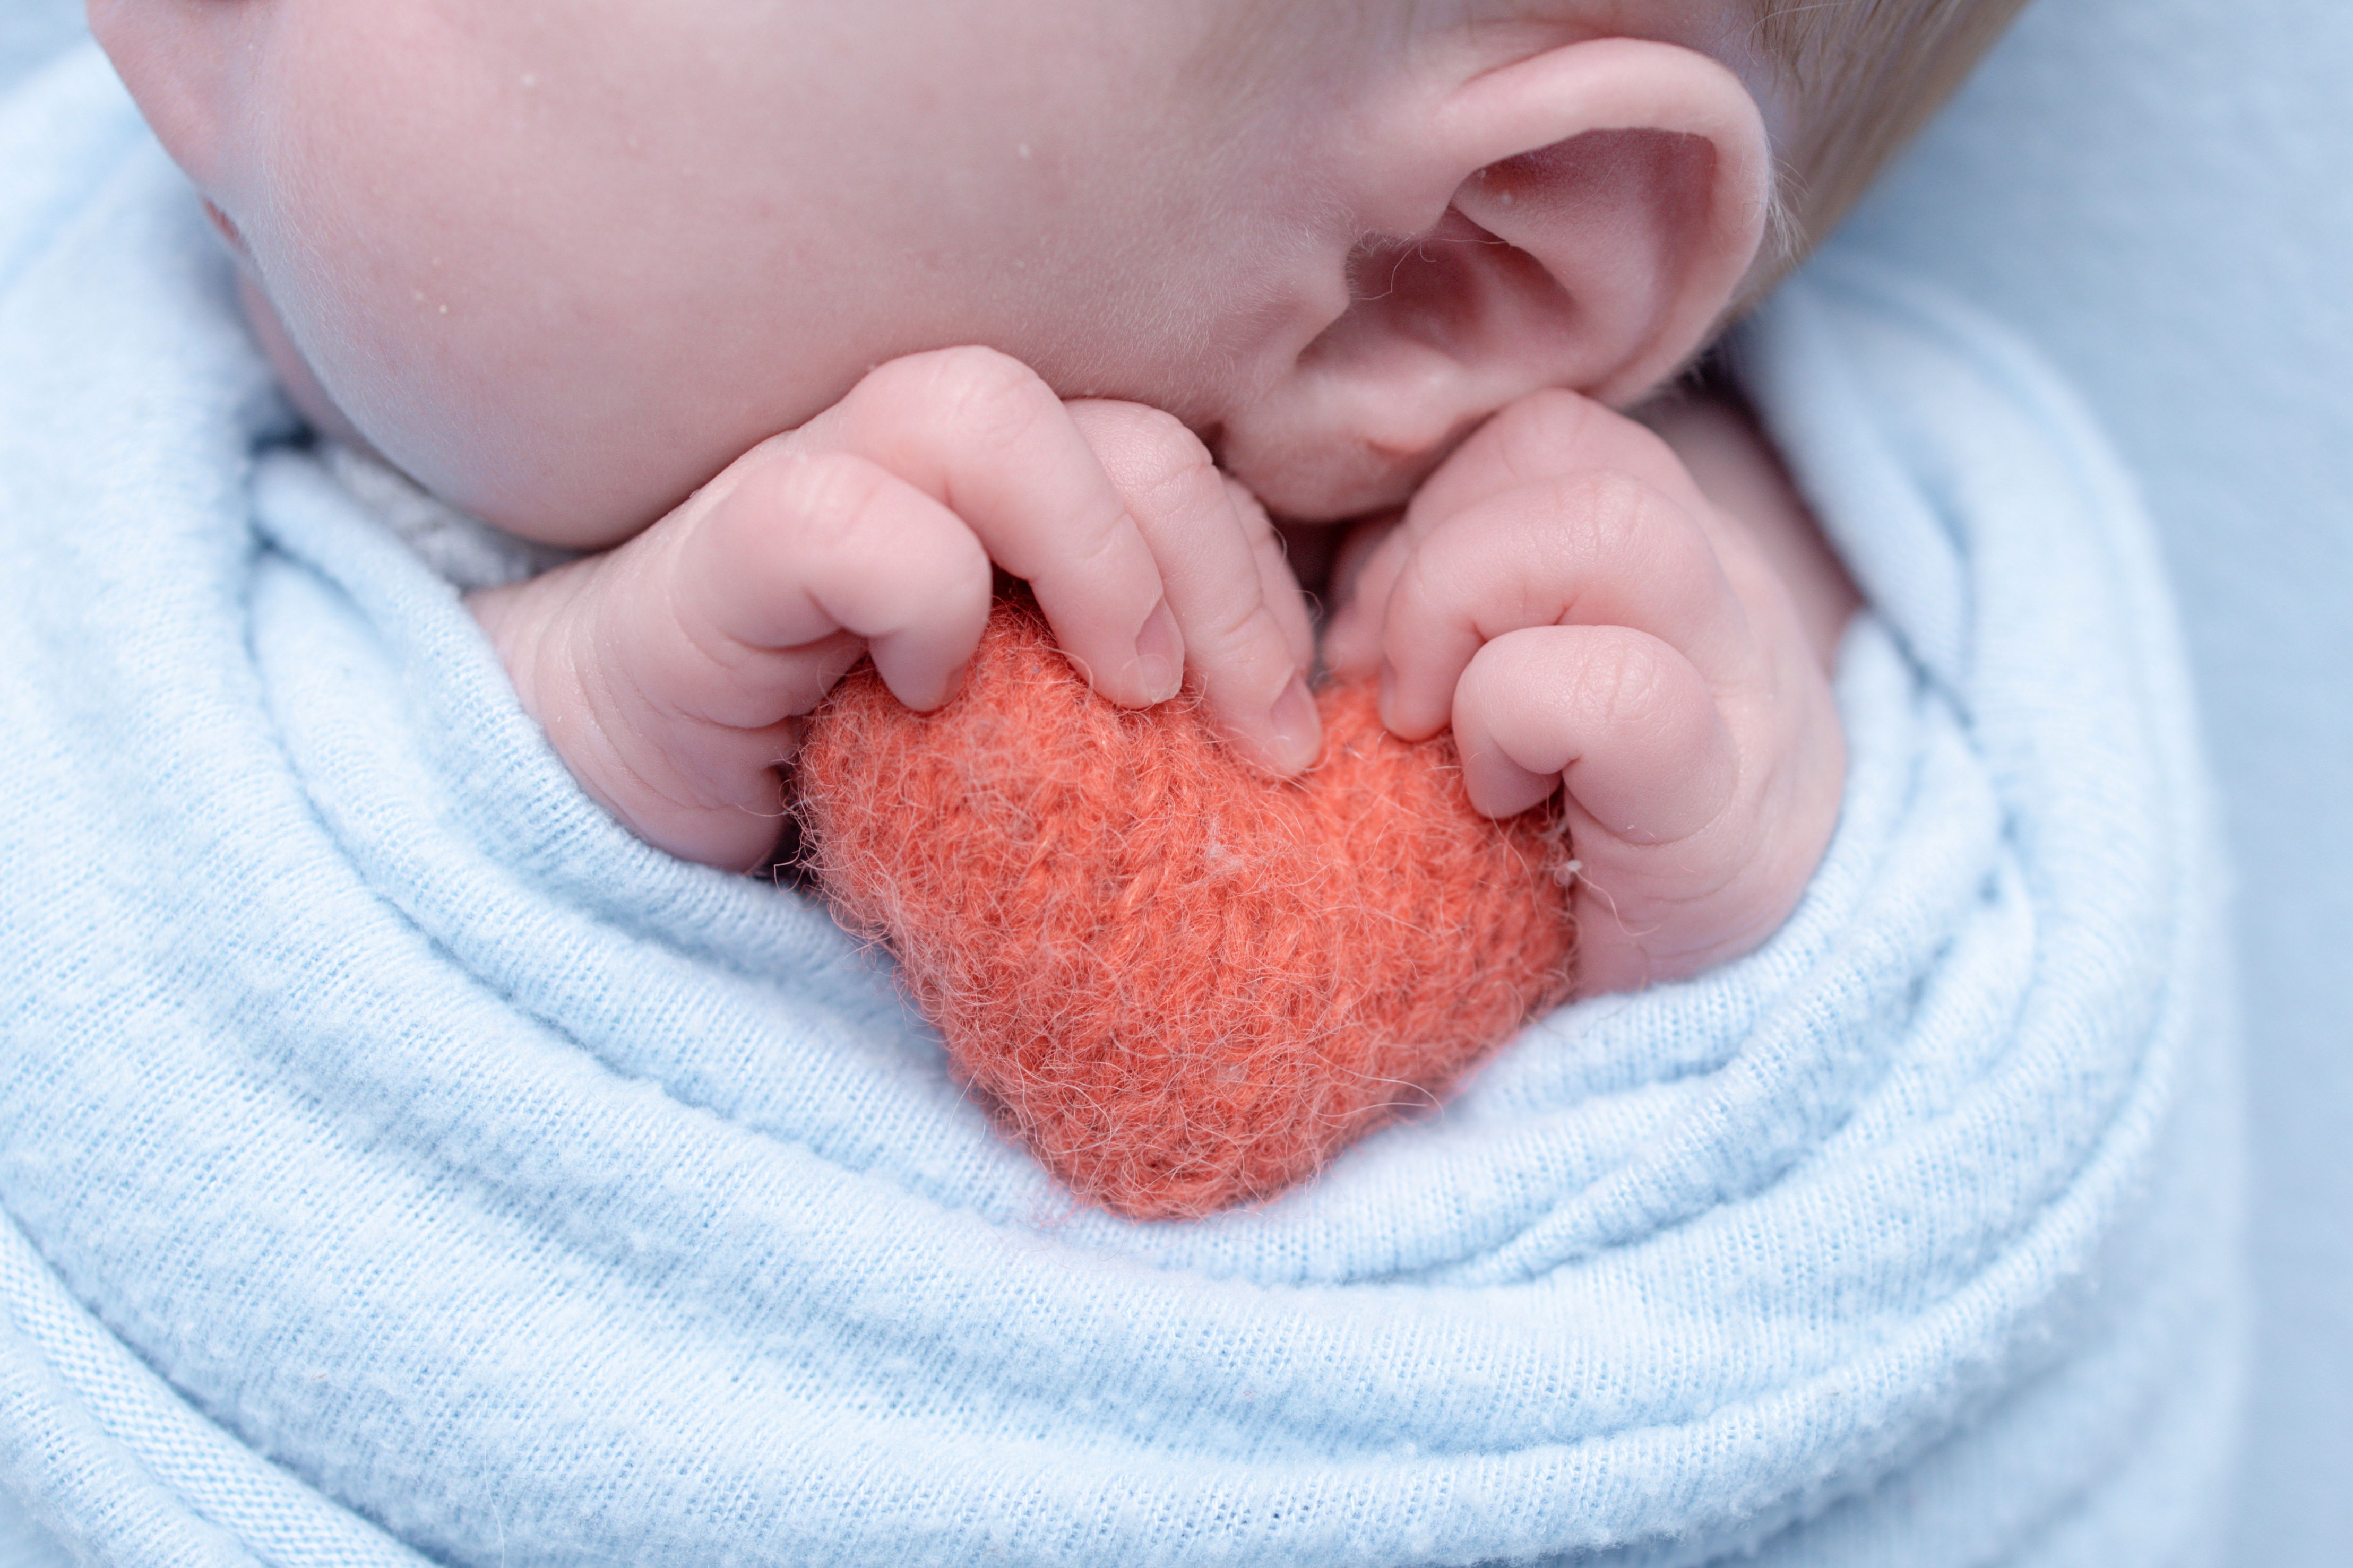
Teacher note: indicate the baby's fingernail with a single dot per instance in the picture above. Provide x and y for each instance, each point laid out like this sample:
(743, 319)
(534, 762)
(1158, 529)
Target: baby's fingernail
(1388, 695)
(1160, 654)
(951, 684)
(1298, 727)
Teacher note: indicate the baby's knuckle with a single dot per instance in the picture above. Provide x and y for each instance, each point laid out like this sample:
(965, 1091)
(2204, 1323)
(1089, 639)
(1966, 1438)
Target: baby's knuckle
(1176, 474)
(1610, 522)
(1235, 630)
(1426, 585)
(1612, 505)
(1626, 686)
(984, 393)
(1148, 427)
(822, 496)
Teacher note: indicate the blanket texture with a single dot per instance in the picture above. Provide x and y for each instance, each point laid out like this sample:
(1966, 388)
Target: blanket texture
(401, 1163)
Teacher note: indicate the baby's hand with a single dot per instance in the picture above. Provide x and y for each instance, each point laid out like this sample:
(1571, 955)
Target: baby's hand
(671, 672)
(1562, 593)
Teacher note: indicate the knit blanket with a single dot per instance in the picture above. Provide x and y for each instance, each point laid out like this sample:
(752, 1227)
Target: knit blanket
(401, 1163)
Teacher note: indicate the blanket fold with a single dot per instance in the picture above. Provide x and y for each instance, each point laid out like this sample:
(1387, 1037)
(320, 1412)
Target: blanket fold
(401, 1163)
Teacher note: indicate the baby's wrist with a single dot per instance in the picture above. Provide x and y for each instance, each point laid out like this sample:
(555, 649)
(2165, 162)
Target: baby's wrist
(573, 650)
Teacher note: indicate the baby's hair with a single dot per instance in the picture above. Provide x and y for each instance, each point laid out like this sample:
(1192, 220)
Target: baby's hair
(1863, 76)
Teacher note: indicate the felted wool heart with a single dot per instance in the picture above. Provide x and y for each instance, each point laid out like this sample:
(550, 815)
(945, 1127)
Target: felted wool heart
(1182, 984)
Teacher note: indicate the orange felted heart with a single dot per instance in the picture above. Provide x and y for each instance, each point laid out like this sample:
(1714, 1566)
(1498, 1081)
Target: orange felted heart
(1182, 983)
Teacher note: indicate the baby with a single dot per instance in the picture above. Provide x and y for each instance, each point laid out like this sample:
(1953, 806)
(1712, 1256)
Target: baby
(802, 320)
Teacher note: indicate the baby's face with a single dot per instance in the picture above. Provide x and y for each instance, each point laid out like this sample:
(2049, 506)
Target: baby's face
(564, 261)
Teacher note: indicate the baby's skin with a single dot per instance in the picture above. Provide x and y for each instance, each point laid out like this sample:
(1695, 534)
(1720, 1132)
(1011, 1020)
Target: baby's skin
(805, 321)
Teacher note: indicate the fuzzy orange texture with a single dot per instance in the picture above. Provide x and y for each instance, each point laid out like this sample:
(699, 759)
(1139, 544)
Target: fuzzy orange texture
(1182, 984)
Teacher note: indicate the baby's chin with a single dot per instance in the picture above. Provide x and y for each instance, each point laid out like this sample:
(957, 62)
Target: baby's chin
(1331, 484)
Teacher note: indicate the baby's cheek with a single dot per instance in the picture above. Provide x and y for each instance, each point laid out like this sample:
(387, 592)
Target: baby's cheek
(294, 373)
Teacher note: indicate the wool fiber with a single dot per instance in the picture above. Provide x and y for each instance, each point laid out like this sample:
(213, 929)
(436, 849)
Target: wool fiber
(1184, 984)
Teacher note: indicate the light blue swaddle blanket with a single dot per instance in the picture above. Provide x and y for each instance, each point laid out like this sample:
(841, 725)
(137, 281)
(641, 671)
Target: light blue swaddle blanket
(402, 1163)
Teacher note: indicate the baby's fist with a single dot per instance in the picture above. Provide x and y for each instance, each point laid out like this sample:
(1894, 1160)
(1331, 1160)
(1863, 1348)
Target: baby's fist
(671, 672)
(1565, 597)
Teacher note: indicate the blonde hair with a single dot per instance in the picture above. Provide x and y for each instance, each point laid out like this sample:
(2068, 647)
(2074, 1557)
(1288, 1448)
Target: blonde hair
(1864, 76)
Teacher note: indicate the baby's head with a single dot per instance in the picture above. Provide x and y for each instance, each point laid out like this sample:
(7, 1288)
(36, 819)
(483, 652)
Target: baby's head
(564, 261)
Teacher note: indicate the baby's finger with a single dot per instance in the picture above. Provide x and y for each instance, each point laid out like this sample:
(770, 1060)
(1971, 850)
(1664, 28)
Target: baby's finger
(978, 432)
(1362, 573)
(1277, 583)
(1545, 435)
(1620, 717)
(1594, 548)
(670, 672)
(1253, 683)
(799, 548)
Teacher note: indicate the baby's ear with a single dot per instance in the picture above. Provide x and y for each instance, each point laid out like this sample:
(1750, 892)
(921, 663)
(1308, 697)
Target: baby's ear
(1580, 218)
